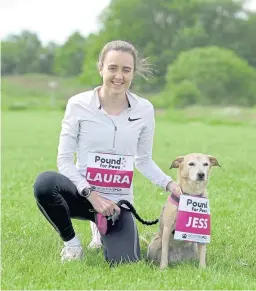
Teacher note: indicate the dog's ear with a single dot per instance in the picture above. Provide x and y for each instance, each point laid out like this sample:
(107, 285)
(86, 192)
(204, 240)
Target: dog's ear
(213, 161)
(176, 163)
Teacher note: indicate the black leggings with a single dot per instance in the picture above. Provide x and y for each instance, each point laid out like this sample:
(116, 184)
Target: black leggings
(59, 201)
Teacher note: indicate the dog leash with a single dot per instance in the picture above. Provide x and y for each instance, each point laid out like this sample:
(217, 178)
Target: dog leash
(134, 212)
(102, 221)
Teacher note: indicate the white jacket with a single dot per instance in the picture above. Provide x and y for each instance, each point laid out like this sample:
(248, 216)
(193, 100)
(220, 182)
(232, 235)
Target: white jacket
(86, 128)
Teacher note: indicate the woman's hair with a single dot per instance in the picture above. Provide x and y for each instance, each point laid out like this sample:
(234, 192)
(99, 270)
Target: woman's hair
(141, 66)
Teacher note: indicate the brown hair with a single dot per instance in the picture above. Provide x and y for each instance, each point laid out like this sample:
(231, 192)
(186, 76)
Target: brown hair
(141, 66)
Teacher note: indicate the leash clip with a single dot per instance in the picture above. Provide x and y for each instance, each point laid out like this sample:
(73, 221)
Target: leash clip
(114, 217)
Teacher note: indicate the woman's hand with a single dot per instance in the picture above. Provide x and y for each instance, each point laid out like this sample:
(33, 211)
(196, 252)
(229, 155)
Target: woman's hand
(174, 188)
(102, 205)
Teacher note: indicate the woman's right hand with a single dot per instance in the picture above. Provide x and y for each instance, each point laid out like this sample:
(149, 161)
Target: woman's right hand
(102, 205)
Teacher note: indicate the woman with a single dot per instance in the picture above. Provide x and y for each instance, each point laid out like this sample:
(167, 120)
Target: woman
(110, 129)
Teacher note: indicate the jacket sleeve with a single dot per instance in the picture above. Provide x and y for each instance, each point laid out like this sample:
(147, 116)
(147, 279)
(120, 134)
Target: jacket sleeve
(67, 146)
(143, 160)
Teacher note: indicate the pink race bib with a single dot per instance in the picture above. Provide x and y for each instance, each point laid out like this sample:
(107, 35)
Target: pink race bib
(193, 219)
(110, 173)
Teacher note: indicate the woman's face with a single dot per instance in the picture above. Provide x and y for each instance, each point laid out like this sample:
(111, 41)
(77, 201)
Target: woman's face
(117, 71)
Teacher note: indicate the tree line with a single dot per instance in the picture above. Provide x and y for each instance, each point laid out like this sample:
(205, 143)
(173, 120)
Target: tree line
(178, 36)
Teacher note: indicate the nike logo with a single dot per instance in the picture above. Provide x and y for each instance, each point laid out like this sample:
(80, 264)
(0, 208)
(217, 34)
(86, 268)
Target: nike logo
(133, 119)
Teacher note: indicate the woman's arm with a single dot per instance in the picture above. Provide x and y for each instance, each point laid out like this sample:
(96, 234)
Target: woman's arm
(65, 159)
(67, 146)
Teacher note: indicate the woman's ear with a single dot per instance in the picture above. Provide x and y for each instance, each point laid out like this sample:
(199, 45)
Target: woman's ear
(100, 69)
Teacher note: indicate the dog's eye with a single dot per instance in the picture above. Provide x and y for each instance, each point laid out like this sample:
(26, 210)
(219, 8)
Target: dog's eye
(205, 164)
(191, 164)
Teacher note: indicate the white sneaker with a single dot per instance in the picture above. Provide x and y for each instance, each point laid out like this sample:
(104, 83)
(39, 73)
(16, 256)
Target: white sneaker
(71, 253)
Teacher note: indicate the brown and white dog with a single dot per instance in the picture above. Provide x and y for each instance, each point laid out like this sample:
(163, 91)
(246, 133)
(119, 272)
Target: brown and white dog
(193, 174)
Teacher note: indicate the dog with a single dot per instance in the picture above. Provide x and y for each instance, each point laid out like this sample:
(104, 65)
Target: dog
(193, 176)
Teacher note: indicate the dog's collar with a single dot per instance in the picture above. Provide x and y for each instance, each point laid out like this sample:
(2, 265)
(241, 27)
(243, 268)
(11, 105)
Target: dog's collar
(176, 199)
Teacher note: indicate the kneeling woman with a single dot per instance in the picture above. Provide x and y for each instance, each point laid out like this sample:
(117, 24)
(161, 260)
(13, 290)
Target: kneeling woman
(109, 129)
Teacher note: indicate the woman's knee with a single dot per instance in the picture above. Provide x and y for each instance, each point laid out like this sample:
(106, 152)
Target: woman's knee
(44, 185)
(123, 246)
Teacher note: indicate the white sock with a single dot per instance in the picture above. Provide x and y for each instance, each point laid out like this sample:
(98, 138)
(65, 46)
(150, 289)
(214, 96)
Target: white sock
(74, 242)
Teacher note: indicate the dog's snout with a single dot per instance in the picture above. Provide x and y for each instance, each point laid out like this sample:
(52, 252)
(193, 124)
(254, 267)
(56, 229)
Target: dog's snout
(201, 176)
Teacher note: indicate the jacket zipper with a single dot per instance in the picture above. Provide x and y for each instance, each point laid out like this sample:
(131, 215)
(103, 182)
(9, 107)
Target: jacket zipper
(115, 129)
(114, 141)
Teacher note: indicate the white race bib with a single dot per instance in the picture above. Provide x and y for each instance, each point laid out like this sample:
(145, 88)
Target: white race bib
(110, 173)
(193, 219)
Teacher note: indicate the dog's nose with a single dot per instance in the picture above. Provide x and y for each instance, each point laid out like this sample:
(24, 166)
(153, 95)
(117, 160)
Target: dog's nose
(201, 176)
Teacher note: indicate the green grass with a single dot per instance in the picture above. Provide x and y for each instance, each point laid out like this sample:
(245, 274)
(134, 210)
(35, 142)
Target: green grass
(30, 246)
(213, 115)
(33, 91)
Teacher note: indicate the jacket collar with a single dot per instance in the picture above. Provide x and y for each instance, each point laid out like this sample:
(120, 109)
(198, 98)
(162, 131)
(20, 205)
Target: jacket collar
(95, 101)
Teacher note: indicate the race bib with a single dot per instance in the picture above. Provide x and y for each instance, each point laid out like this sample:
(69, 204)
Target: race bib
(110, 173)
(193, 219)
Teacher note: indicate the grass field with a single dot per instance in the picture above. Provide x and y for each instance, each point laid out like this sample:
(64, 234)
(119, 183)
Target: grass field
(30, 247)
(34, 91)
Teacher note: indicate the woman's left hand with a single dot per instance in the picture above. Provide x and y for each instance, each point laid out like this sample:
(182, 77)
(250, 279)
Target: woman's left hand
(174, 188)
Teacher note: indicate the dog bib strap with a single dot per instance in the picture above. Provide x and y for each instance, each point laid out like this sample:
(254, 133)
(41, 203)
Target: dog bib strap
(174, 199)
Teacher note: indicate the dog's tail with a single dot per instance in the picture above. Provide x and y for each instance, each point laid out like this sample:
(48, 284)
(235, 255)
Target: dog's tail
(133, 210)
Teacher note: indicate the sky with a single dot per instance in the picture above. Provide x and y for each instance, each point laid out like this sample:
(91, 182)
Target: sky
(54, 20)
(51, 20)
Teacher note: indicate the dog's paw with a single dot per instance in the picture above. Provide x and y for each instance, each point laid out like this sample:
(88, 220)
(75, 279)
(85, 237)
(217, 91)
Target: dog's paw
(163, 266)
(202, 266)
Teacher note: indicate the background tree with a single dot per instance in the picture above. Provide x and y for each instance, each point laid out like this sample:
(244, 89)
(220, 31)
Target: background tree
(162, 29)
(69, 58)
(21, 54)
(47, 58)
(210, 76)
